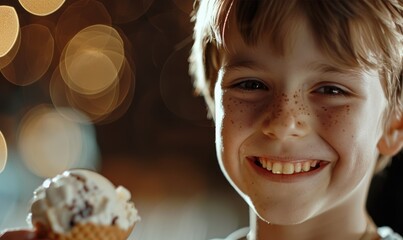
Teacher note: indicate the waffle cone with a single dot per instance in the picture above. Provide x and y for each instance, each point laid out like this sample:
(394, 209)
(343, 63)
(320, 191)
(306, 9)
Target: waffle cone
(90, 231)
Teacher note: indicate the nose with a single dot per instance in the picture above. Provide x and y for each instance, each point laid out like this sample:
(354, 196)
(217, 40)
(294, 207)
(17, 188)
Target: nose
(284, 125)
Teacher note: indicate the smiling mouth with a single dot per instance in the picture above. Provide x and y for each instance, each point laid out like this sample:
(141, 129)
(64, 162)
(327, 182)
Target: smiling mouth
(287, 167)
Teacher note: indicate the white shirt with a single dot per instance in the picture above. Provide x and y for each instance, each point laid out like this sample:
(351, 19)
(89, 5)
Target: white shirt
(386, 233)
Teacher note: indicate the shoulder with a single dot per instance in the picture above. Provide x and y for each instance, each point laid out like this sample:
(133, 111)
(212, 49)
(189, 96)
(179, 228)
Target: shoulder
(387, 233)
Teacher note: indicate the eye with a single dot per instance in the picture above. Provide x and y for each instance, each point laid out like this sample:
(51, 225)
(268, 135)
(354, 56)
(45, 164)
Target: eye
(251, 85)
(331, 90)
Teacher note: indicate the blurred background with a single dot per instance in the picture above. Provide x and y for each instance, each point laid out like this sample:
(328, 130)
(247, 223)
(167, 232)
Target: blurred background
(104, 85)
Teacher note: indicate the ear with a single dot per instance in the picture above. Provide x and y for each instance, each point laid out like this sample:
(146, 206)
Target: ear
(392, 140)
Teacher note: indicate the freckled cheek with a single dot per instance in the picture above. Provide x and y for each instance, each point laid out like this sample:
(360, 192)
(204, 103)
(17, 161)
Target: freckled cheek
(337, 120)
(342, 126)
(239, 114)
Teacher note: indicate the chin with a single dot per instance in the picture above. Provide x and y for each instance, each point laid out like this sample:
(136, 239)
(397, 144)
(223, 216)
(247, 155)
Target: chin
(282, 215)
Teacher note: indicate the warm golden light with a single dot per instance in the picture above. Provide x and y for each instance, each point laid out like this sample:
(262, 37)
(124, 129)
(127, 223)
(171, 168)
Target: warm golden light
(94, 76)
(48, 142)
(3, 152)
(90, 72)
(41, 7)
(92, 60)
(9, 30)
(9, 57)
(33, 58)
(103, 107)
(79, 15)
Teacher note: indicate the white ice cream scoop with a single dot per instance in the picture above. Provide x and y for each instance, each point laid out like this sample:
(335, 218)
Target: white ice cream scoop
(80, 197)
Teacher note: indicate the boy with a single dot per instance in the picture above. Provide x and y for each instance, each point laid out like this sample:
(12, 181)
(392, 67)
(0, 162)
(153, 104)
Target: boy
(306, 97)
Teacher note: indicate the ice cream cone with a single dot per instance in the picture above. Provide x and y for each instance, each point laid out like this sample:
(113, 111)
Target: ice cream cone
(82, 205)
(90, 231)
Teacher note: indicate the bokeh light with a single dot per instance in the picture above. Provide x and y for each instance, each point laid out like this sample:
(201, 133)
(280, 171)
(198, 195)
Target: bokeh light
(9, 31)
(164, 22)
(41, 7)
(91, 61)
(178, 98)
(124, 11)
(33, 58)
(94, 76)
(49, 143)
(114, 96)
(79, 15)
(3, 152)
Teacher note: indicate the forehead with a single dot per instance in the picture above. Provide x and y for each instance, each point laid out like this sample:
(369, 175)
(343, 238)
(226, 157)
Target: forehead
(301, 52)
(246, 25)
(281, 40)
(277, 21)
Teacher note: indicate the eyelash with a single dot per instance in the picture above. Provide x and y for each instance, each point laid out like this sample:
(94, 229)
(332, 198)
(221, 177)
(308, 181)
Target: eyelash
(253, 85)
(250, 85)
(331, 91)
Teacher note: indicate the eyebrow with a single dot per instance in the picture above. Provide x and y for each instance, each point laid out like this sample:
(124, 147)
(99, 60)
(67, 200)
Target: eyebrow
(236, 64)
(332, 69)
(320, 67)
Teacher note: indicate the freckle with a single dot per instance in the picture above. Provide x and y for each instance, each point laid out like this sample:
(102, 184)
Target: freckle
(232, 122)
(344, 130)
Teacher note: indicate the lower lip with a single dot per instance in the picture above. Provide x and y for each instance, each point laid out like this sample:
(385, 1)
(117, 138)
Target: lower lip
(285, 178)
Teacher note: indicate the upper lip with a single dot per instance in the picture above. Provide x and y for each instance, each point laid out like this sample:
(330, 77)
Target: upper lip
(293, 159)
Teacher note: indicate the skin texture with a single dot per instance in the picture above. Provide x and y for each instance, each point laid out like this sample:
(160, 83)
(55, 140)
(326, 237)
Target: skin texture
(298, 107)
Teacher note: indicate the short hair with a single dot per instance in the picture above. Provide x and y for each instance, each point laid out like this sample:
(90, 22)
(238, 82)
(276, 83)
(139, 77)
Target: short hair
(358, 33)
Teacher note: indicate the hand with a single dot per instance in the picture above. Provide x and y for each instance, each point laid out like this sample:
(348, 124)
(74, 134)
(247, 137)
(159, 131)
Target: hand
(20, 234)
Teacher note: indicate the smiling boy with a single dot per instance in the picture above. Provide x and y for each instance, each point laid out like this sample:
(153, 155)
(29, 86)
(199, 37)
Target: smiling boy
(306, 97)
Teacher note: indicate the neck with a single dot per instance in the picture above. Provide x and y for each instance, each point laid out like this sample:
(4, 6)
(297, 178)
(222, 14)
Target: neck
(348, 221)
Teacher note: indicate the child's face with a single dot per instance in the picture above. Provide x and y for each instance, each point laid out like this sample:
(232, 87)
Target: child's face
(290, 111)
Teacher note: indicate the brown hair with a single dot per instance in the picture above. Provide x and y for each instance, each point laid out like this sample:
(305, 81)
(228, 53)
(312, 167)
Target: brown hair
(358, 33)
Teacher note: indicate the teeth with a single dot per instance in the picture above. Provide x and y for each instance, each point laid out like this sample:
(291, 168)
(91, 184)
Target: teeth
(298, 167)
(306, 166)
(269, 165)
(277, 167)
(288, 168)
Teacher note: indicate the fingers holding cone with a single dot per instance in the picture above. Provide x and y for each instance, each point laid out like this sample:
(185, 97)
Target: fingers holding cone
(20, 234)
